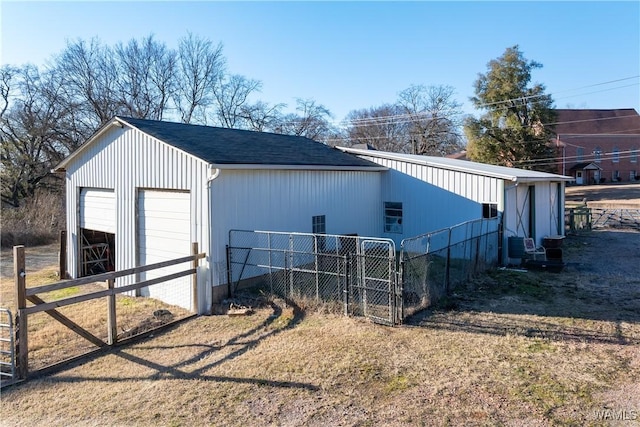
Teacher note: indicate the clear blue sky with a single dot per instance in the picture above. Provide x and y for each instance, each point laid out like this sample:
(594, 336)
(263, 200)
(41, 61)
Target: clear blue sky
(353, 55)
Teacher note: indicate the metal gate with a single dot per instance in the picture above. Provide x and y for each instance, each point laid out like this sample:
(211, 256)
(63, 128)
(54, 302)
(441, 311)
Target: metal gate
(373, 290)
(7, 346)
(358, 273)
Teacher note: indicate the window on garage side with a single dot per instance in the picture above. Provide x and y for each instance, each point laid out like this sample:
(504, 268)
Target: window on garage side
(393, 217)
(319, 226)
(489, 210)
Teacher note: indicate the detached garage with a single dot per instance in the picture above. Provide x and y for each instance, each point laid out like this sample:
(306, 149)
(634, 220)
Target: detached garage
(142, 191)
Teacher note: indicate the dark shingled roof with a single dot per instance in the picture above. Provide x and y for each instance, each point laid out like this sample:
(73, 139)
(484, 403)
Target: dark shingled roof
(232, 146)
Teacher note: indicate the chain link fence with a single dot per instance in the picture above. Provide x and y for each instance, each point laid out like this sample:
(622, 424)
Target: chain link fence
(359, 275)
(434, 263)
(356, 275)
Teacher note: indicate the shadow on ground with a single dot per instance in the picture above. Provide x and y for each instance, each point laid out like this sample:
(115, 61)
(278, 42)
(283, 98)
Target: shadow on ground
(192, 366)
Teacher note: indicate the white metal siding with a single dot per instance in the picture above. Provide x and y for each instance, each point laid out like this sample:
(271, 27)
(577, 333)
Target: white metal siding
(127, 160)
(164, 233)
(286, 200)
(549, 210)
(435, 198)
(98, 210)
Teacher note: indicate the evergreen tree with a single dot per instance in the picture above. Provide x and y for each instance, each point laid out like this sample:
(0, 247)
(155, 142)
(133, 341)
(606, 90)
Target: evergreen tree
(515, 129)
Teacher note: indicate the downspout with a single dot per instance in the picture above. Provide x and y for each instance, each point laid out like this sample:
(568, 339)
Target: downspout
(213, 174)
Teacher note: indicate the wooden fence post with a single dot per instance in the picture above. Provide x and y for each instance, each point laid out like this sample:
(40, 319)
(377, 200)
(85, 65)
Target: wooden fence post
(112, 336)
(22, 348)
(194, 284)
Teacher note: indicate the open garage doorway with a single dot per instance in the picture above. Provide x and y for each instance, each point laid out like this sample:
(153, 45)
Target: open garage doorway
(98, 252)
(97, 239)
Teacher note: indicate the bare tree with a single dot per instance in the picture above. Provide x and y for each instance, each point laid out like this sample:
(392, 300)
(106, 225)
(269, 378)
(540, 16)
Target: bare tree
(89, 74)
(384, 128)
(231, 94)
(434, 117)
(145, 77)
(200, 65)
(310, 120)
(29, 143)
(261, 117)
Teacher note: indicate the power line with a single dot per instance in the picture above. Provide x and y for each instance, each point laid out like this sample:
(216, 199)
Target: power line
(566, 90)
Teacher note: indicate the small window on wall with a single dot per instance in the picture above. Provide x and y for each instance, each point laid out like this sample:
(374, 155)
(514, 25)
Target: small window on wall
(616, 155)
(580, 154)
(489, 210)
(634, 156)
(393, 217)
(318, 224)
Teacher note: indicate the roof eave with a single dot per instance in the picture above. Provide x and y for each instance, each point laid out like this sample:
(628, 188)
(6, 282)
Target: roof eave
(255, 166)
(555, 178)
(426, 162)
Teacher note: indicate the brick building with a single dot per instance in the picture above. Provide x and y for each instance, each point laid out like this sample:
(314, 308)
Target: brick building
(597, 146)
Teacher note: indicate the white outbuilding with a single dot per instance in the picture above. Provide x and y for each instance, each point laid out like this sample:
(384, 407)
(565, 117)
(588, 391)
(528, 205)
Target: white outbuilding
(529, 203)
(141, 191)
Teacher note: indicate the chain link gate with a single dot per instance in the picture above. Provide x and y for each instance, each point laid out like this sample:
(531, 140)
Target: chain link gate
(357, 273)
(373, 288)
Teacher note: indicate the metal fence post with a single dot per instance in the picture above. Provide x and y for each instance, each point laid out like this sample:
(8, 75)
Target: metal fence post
(347, 281)
(317, 274)
(447, 273)
(22, 346)
(290, 267)
(229, 273)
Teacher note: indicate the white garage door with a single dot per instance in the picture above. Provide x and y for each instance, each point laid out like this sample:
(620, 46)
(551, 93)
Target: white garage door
(164, 233)
(98, 210)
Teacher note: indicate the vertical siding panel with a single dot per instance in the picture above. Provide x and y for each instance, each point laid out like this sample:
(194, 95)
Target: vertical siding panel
(125, 160)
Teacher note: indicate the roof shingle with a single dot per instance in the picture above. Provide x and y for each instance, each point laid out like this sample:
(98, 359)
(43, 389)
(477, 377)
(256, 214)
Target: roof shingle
(225, 146)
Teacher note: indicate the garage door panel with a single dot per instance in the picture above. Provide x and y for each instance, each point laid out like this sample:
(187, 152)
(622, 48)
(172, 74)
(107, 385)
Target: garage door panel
(164, 233)
(98, 210)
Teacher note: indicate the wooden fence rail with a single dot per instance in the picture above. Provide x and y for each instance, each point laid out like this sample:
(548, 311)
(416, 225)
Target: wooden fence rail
(24, 294)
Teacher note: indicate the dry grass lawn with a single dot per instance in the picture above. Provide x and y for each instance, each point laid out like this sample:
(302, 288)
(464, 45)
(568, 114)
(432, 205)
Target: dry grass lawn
(512, 348)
